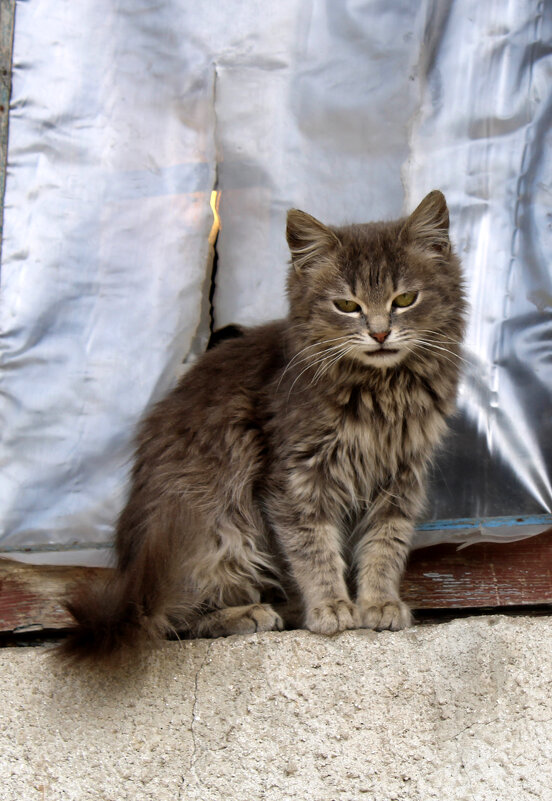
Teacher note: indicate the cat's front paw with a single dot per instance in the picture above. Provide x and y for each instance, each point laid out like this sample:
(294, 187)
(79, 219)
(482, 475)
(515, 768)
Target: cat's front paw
(393, 615)
(329, 617)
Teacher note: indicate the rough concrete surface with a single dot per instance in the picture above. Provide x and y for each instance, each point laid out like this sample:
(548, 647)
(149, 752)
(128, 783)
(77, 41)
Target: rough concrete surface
(461, 710)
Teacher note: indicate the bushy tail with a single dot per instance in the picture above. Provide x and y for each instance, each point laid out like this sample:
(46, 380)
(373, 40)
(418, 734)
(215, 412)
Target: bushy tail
(131, 610)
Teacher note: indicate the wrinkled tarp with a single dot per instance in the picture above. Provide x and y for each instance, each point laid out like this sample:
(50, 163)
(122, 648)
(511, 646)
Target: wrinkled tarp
(127, 116)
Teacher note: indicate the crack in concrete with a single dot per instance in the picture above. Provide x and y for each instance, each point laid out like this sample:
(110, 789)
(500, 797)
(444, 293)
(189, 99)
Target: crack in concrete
(193, 757)
(471, 725)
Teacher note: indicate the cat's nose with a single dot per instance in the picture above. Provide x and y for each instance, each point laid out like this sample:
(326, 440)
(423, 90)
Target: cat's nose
(379, 336)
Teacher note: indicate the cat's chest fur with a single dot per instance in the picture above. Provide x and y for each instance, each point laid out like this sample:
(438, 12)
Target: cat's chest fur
(371, 431)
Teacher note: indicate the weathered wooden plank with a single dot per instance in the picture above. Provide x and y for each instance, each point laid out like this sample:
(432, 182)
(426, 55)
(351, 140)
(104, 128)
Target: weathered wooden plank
(7, 15)
(484, 575)
(30, 594)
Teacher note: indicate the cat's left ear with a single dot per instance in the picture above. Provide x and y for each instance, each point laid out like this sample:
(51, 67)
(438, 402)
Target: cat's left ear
(309, 240)
(428, 225)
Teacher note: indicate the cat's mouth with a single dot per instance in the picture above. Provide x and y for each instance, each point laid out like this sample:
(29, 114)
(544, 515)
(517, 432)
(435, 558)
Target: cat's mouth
(382, 357)
(381, 352)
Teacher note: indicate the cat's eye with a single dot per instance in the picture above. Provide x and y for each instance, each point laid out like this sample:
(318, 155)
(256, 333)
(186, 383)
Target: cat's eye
(405, 299)
(348, 306)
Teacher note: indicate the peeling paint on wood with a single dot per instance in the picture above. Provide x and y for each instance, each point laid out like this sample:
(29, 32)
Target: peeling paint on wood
(486, 574)
(483, 575)
(30, 595)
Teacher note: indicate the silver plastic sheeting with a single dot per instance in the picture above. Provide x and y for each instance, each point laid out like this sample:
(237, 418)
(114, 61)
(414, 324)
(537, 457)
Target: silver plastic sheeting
(127, 116)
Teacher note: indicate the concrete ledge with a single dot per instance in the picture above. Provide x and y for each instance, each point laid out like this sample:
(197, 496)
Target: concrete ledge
(461, 710)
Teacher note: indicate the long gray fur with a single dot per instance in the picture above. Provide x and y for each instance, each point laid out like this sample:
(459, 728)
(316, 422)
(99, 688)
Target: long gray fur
(289, 464)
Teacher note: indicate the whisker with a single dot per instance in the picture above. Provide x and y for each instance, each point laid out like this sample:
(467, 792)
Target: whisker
(441, 347)
(438, 334)
(315, 345)
(308, 347)
(443, 342)
(439, 338)
(335, 349)
(326, 362)
(431, 347)
(312, 364)
(323, 369)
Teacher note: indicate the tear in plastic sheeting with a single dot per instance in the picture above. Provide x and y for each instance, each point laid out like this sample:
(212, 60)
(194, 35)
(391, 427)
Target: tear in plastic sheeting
(125, 117)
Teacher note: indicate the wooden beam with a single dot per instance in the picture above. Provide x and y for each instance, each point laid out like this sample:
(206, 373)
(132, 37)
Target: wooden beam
(30, 595)
(484, 575)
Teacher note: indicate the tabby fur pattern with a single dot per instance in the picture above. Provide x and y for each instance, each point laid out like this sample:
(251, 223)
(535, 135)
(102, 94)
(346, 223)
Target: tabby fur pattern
(279, 482)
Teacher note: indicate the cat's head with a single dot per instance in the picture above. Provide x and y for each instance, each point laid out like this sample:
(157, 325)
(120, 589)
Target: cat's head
(377, 293)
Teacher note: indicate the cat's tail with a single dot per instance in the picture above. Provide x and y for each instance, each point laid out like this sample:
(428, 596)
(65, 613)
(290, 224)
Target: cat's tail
(131, 610)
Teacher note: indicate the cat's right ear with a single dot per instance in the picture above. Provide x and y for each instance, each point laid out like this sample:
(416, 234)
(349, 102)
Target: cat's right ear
(309, 240)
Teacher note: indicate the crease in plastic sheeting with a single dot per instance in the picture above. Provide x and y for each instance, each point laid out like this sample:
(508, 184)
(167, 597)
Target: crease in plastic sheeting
(503, 91)
(469, 531)
(325, 133)
(432, 21)
(509, 438)
(107, 198)
(206, 324)
(518, 444)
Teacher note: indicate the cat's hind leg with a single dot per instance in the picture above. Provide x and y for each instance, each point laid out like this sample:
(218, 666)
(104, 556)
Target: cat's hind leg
(231, 570)
(246, 619)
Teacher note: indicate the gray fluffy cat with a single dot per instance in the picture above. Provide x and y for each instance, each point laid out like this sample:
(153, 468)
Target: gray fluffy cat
(288, 464)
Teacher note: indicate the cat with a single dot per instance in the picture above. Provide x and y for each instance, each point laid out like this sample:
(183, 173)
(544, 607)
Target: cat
(286, 469)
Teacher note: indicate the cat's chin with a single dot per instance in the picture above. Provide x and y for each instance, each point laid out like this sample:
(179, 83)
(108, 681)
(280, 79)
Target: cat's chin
(382, 357)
